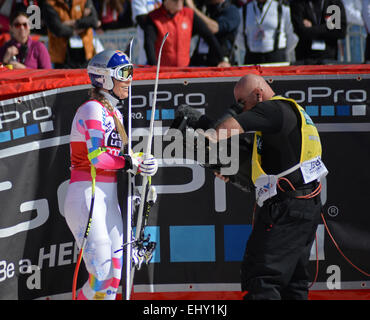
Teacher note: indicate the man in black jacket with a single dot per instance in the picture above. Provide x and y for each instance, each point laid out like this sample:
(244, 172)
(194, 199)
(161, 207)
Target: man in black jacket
(223, 19)
(316, 22)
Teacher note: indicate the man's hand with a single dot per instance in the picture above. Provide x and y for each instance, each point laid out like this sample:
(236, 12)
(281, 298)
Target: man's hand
(307, 23)
(211, 24)
(218, 175)
(70, 23)
(87, 12)
(224, 64)
(190, 4)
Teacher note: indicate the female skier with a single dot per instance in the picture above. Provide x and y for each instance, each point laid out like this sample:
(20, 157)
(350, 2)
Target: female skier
(97, 142)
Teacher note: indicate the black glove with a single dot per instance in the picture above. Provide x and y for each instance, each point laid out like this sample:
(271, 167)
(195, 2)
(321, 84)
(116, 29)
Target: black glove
(186, 117)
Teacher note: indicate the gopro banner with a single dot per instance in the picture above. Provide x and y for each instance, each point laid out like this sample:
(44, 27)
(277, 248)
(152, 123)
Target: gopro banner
(200, 224)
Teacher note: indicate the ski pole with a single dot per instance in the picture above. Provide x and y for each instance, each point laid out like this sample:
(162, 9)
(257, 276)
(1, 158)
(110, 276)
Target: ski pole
(129, 198)
(84, 241)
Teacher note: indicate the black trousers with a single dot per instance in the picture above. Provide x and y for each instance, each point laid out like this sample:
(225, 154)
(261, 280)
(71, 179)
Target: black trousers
(277, 253)
(268, 57)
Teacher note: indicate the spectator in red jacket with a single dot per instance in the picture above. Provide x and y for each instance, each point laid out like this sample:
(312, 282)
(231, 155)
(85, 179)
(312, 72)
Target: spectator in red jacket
(182, 24)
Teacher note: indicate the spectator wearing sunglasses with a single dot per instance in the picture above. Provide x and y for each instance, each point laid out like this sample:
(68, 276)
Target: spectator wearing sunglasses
(21, 51)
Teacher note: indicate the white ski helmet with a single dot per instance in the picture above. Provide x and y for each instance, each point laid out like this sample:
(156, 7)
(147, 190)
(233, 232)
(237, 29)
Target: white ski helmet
(109, 64)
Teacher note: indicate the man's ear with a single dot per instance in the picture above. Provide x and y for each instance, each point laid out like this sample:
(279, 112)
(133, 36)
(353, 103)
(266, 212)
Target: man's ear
(259, 93)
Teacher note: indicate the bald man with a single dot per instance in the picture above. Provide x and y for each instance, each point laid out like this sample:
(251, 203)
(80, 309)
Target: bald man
(286, 170)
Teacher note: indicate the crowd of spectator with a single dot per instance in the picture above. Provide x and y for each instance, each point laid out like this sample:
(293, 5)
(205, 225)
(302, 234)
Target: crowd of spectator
(267, 31)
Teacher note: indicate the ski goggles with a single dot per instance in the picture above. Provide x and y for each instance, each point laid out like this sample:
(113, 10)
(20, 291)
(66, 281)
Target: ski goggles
(123, 73)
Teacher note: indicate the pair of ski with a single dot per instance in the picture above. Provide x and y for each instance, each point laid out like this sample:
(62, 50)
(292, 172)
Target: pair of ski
(140, 249)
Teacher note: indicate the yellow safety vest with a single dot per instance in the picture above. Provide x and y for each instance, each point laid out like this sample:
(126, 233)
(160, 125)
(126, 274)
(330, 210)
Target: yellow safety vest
(310, 163)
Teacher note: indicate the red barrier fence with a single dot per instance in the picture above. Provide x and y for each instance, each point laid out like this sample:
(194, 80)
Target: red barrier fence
(14, 83)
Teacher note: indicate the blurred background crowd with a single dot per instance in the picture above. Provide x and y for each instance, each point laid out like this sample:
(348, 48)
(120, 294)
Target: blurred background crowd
(68, 33)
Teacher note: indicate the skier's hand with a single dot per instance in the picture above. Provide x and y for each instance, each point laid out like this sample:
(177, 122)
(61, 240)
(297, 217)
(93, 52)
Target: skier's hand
(148, 166)
(145, 164)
